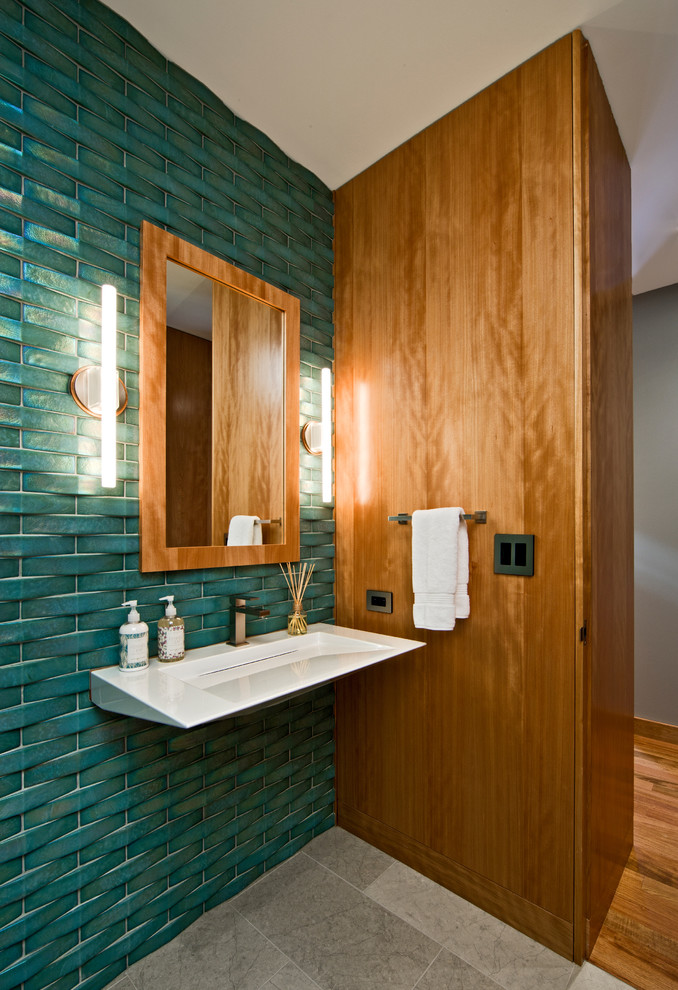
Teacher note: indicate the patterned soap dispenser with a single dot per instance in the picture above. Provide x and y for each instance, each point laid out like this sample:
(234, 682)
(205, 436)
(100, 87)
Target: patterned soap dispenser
(170, 633)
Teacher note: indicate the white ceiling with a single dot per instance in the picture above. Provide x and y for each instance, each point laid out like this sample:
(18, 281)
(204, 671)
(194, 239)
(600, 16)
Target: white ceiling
(339, 83)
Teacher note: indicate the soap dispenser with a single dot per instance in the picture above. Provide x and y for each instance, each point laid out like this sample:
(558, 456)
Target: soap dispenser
(133, 641)
(170, 633)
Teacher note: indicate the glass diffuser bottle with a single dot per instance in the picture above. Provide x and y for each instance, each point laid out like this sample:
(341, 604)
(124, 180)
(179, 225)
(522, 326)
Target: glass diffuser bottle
(297, 582)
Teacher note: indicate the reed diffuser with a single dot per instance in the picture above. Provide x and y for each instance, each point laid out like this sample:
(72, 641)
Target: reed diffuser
(297, 582)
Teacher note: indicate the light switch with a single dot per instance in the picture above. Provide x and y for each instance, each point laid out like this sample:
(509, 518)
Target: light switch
(514, 554)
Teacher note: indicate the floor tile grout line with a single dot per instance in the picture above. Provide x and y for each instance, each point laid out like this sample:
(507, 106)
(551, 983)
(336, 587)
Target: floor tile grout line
(126, 973)
(288, 959)
(334, 873)
(437, 956)
(363, 894)
(377, 903)
(287, 962)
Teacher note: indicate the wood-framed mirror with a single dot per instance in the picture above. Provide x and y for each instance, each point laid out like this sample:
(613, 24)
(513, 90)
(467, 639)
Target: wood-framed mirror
(218, 411)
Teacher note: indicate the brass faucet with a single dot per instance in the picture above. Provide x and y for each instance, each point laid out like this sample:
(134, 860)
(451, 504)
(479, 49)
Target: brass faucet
(239, 610)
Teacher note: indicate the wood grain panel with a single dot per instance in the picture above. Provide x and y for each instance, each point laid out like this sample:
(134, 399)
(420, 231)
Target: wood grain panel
(638, 941)
(500, 440)
(189, 452)
(494, 699)
(248, 412)
(661, 731)
(582, 489)
(475, 395)
(611, 627)
(548, 368)
(380, 374)
(467, 757)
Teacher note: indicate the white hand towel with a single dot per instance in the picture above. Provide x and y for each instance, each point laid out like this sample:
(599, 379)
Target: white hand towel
(244, 531)
(440, 568)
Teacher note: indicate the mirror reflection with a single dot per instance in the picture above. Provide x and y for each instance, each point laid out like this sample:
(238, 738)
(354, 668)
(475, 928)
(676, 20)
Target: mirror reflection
(225, 414)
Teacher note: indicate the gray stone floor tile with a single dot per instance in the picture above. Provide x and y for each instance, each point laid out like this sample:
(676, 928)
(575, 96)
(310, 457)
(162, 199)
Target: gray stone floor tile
(513, 960)
(121, 982)
(348, 856)
(589, 977)
(449, 972)
(219, 951)
(336, 935)
(290, 977)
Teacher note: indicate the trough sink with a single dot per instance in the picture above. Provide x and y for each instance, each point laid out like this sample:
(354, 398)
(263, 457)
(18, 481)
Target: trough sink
(222, 680)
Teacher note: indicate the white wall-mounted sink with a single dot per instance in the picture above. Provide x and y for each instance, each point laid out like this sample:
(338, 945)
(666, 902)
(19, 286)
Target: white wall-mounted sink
(217, 681)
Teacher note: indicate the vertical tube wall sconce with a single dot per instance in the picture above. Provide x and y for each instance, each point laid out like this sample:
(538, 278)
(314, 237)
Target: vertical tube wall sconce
(97, 389)
(326, 433)
(109, 385)
(317, 436)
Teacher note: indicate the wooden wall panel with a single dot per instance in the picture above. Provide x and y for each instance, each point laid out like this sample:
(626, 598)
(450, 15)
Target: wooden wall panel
(447, 319)
(189, 451)
(550, 627)
(461, 336)
(475, 395)
(500, 440)
(248, 404)
(381, 469)
(610, 785)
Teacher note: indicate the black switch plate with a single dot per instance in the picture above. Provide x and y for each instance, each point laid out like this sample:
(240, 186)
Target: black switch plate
(514, 554)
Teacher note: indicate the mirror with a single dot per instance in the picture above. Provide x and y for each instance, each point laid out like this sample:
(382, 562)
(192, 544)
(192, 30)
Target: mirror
(219, 408)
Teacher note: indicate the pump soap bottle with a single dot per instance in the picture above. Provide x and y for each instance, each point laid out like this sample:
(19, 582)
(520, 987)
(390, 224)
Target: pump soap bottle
(133, 641)
(170, 633)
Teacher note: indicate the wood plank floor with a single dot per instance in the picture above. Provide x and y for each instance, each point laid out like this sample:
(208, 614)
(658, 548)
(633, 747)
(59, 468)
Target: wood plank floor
(639, 940)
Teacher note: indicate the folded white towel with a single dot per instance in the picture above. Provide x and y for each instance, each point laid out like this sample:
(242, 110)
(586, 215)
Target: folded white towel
(244, 531)
(440, 568)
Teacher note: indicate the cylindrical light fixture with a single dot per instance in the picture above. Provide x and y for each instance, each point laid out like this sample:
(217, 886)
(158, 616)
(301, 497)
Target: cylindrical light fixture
(326, 433)
(109, 385)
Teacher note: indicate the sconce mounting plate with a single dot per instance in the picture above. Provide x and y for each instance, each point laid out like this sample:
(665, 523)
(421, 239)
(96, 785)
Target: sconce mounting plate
(86, 390)
(311, 434)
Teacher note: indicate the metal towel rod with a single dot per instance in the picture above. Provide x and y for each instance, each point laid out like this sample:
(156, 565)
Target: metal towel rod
(403, 518)
(266, 522)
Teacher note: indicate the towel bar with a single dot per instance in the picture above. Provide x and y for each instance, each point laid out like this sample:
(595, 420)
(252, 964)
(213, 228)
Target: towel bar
(265, 522)
(403, 518)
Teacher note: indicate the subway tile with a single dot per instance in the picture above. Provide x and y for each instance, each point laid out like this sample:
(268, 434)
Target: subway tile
(103, 219)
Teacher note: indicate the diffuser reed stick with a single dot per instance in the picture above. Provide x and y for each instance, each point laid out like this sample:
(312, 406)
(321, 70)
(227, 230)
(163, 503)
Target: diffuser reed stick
(297, 582)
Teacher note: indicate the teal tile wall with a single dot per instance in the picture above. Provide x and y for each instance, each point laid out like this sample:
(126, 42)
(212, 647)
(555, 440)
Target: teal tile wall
(116, 833)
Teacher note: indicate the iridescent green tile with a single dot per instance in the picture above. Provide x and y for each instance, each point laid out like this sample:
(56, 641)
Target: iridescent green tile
(41, 81)
(7, 48)
(8, 567)
(48, 19)
(10, 654)
(72, 564)
(9, 437)
(9, 611)
(9, 964)
(60, 645)
(28, 673)
(12, 224)
(63, 484)
(12, 182)
(25, 631)
(28, 546)
(8, 740)
(107, 506)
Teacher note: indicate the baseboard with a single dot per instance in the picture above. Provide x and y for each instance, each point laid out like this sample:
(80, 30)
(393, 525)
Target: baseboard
(541, 925)
(662, 731)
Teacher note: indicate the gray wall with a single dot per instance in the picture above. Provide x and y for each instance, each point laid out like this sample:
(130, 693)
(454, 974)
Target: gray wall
(655, 342)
